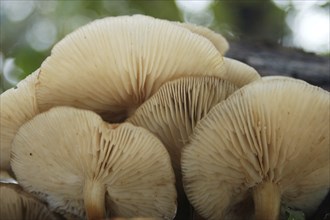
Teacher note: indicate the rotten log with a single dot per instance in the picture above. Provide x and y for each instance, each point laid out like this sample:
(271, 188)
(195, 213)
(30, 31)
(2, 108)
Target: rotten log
(271, 59)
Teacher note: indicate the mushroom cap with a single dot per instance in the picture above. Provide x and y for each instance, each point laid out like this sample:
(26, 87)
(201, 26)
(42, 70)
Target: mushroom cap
(266, 131)
(112, 65)
(17, 105)
(75, 155)
(217, 39)
(16, 204)
(239, 73)
(174, 110)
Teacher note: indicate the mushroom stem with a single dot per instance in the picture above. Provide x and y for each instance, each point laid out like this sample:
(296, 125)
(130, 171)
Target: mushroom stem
(94, 199)
(267, 198)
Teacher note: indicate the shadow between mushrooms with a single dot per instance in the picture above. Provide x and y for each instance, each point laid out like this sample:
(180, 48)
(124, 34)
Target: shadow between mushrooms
(16, 204)
(82, 166)
(268, 141)
(113, 65)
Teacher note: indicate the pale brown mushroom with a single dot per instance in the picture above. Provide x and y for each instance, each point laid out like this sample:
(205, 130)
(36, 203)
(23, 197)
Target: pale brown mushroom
(17, 105)
(113, 65)
(173, 112)
(82, 166)
(269, 142)
(15, 204)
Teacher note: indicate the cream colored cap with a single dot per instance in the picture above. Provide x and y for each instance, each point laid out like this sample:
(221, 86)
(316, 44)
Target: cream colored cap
(112, 65)
(174, 111)
(270, 141)
(81, 165)
(217, 39)
(17, 105)
(239, 73)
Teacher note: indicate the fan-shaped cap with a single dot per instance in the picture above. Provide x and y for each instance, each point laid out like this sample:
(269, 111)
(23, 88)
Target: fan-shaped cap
(269, 141)
(217, 39)
(17, 105)
(239, 73)
(174, 110)
(114, 64)
(76, 160)
(15, 204)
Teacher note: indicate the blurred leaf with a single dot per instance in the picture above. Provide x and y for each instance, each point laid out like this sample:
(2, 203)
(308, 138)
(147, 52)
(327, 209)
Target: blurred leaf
(294, 214)
(159, 9)
(29, 60)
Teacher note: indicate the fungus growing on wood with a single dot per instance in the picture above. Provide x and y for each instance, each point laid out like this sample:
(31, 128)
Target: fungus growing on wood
(15, 204)
(17, 105)
(269, 142)
(113, 65)
(81, 166)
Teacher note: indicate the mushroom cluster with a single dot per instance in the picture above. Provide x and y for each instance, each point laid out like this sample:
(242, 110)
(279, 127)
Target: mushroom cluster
(99, 129)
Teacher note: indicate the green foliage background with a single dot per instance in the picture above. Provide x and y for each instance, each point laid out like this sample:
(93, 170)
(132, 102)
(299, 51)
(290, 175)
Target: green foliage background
(253, 20)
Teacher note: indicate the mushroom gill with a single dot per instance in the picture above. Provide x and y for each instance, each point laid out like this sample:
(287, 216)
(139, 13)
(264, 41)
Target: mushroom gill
(16, 204)
(113, 65)
(269, 141)
(172, 114)
(83, 166)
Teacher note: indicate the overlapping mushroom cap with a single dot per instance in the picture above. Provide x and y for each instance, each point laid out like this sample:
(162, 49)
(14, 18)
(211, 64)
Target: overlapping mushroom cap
(173, 112)
(15, 204)
(17, 105)
(113, 65)
(77, 160)
(268, 141)
(217, 39)
(239, 73)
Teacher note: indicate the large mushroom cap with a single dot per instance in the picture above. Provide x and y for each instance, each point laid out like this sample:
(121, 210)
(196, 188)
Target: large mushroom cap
(268, 141)
(17, 105)
(76, 160)
(114, 64)
(15, 204)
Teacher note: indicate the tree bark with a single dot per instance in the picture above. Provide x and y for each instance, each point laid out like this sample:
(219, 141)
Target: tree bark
(271, 59)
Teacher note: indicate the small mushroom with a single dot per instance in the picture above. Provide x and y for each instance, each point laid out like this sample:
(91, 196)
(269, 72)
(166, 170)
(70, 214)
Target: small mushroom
(268, 142)
(17, 106)
(113, 65)
(239, 73)
(173, 112)
(15, 204)
(77, 162)
(217, 39)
